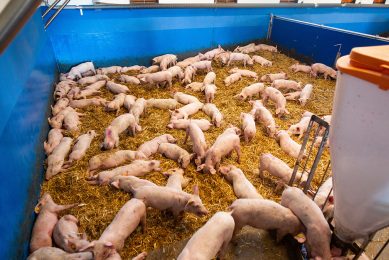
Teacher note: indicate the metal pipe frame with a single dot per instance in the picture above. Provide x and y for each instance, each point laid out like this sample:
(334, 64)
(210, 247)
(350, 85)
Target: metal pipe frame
(56, 12)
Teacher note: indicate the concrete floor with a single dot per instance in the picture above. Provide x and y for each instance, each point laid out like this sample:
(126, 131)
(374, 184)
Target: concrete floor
(250, 244)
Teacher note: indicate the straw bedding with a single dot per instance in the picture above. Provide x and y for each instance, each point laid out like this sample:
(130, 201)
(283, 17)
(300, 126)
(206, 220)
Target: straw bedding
(101, 203)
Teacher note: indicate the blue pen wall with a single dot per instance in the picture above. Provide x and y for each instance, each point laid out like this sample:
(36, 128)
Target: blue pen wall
(27, 70)
(133, 36)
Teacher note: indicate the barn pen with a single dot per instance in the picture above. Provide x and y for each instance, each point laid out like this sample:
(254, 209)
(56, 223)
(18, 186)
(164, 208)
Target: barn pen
(38, 52)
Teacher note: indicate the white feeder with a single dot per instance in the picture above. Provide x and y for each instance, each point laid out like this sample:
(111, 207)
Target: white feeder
(359, 138)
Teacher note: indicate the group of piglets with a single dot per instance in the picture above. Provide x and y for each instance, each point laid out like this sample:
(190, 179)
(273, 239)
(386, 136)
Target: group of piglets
(122, 168)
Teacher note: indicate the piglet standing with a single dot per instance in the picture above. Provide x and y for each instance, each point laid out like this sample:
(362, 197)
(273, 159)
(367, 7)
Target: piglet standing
(210, 91)
(305, 94)
(279, 169)
(125, 222)
(202, 65)
(176, 153)
(116, 103)
(56, 159)
(264, 116)
(209, 78)
(129, 101)
(224, 145)
(300, 128)
(235, 56)
(210, 240)
(45, 222)
(248, 126)
(288, 145)
(160, 78)
(243, 188)
(189, 74)
(139, 108)
(198, 139)
(265, 214)
(66, 234)
(318, 231)
(276, 96)
(250, 91)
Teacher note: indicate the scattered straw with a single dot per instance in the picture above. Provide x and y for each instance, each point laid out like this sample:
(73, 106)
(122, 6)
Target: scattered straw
(103, 202)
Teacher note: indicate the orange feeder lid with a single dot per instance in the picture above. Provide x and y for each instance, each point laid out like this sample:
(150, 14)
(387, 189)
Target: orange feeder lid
(367, 63)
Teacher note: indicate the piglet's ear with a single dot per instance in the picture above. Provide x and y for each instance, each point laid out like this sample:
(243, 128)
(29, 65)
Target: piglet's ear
(109, 245)
(196, 190)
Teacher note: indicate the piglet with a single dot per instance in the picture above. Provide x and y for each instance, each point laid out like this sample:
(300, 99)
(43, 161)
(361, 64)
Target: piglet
(176, 153)
(164, 103)
(248, 126)
(165, 198)
(167, 61)
(195, 86)
(225, 143)
(276, 96)
(214, 113)
(82, 103)
(240, 57)
(186, 111)
(66, 234)
(250, 91)
(59, 106)
(299, 67)
(109, 70)
(288, 145)
(232, 79)
(265, 214)
(116, 88)
(204, 124)
(149, 148)
(105, 161)
(139, 108)
(125, 222)
(202, 65)
(264, 116)
(273, 77)
(44, 225)
(158, 59)
(92, 79)
(53, 139)
(318, 231)
(279, 169)
(77, 71)
(300, 128)
(129, 101)
(185, 98)
(223, 57)
(50, 253)
(210, 240)
(305, 94)
(210, 91)
(293, 95)
(256, 104)
(56, 159)
(91, 90)
(130, 183)
(245, 48)
(244, 73)
(198, 139)
(71, 120)
(151, 69)
(116, 103)
(286, 84)
(264, 62)
(119, 125)
(265, 47)
(243, 188)
(160, 78)
(319, 68)
(209, 55)
(79, 149)
(135, 68)
(188, 61)
(129, 79)
(136, 168)
(189, 74)
(176, 179)
(209, 78)
(324, 198)
(176, 72)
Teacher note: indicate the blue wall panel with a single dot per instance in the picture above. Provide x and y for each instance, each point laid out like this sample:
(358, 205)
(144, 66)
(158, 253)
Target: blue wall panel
(27, 70)
(318, 43)
(128, 36)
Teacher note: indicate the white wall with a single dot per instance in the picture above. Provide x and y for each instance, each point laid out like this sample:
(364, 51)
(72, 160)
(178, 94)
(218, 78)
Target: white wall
(320, 1)
(258, 1)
